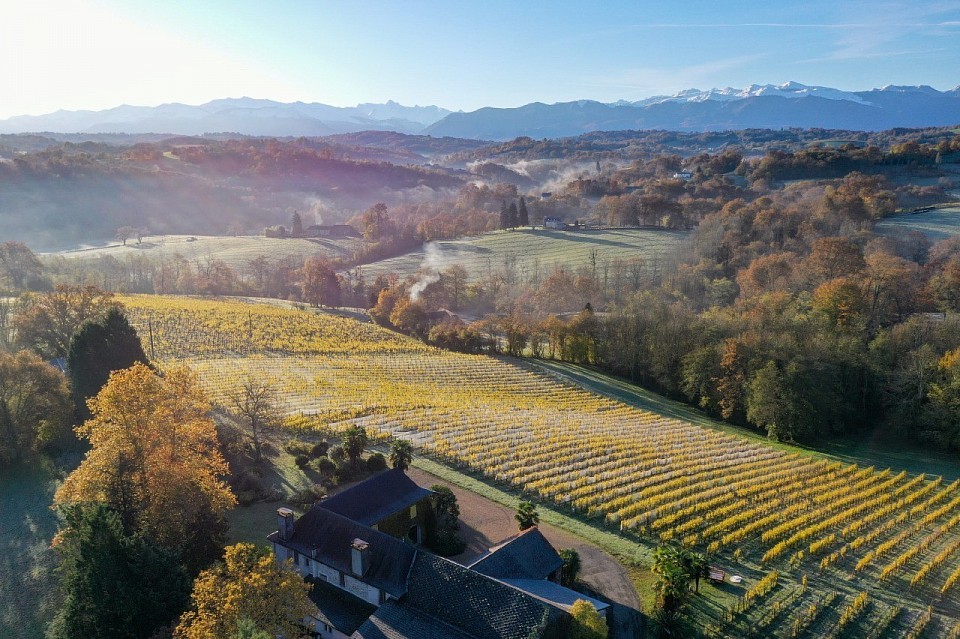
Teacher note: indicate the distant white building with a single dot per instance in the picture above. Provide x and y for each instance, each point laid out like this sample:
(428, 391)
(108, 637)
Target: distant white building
(686, 176)
(552, 222)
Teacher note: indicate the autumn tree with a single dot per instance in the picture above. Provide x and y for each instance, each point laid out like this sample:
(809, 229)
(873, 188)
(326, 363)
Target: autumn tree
(34, 405)
(248, 587)
(256, 403)
(116, 585)
(46, 322)
(18, 265)
(320, 284)
(155, 459)
(587, 622)
(96, 350)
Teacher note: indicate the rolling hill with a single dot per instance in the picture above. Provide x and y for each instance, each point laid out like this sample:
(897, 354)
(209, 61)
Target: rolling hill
(528, 250)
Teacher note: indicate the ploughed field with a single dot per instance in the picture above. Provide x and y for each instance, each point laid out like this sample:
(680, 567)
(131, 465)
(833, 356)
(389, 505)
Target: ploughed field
(529, 253)
(825, 548)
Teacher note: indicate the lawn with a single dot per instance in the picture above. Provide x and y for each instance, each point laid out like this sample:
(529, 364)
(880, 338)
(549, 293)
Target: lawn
(236, 252)
(937, 224)
(28, 594)
(530, 252)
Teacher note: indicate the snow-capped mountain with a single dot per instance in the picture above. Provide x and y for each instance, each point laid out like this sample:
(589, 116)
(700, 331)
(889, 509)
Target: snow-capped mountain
(786, 90)
(757, 106)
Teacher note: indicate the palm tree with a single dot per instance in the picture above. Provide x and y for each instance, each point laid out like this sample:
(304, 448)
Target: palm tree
(527, 515)
(401, 454)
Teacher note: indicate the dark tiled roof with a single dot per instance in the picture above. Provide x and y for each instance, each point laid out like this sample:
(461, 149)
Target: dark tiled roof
(377, 498)
(527, 556)
(552, 593)
(339, 608)
(476, 605)
(326, 537)
(396, 621)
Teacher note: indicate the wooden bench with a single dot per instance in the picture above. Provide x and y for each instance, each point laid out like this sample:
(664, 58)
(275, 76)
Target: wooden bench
(716, 574)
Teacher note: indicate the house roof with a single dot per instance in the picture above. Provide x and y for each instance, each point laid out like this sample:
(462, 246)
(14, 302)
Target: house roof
(553, 593)
(339, 608)
(375, 499)
(393, 620)
(526, 556)
(327, 536)
(476, 605)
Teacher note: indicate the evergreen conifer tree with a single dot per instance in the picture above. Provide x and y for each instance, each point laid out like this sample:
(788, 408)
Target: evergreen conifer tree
(524, 216)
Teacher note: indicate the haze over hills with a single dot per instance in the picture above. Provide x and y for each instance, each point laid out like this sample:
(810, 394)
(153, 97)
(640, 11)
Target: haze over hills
(758, 106)
(245, 115)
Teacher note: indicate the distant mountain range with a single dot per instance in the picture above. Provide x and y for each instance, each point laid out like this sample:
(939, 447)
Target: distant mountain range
(248, 116)
(757, 106)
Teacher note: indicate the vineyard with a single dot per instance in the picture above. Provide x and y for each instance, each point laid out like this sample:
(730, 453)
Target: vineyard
(825, 548)
(528, 252)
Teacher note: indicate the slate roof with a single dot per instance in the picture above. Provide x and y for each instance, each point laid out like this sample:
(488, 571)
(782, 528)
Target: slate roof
(527, 556)
(553, 593)
(339, 608)
(396, 621)
(480, 607)
(326, 537)
(377, 498)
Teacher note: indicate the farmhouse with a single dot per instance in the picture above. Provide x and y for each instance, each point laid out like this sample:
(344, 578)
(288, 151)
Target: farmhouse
(551, 222)
(372, 581)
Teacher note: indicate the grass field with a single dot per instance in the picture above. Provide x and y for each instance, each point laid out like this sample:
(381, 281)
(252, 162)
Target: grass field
(937, 224)
(528, 251)
(28, 594)
(626, 468)
(237, 252)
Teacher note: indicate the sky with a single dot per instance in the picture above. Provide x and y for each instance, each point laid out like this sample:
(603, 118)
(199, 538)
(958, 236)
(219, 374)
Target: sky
(97, 54)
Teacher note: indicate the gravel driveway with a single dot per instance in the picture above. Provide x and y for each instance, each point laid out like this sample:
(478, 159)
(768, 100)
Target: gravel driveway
(484, 523)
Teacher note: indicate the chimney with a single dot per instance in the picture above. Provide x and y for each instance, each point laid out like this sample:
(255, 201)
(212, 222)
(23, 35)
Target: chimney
(359, 557)
(285, 523)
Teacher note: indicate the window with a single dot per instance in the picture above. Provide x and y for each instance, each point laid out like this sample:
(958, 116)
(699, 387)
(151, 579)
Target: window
(413, 511)
(343, 581)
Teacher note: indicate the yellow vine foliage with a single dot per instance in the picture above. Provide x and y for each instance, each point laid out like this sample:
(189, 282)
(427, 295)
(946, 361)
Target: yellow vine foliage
(154, 453)
(249, 584)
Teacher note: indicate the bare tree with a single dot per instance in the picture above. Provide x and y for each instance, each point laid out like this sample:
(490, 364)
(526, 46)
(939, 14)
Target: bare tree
(255, 402)
(124, 233)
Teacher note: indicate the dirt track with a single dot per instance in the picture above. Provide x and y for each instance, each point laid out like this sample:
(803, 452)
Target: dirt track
(484, 523)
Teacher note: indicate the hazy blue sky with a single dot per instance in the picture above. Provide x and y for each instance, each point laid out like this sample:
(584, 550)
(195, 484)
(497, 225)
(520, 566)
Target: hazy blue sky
(95, 54)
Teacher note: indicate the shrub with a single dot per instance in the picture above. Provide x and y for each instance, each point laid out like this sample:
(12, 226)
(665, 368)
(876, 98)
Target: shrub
(248, 497)
(319, 449)
(307, 497)
(326, 466)
(302, 461)
(376, 462)
(446, 543)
